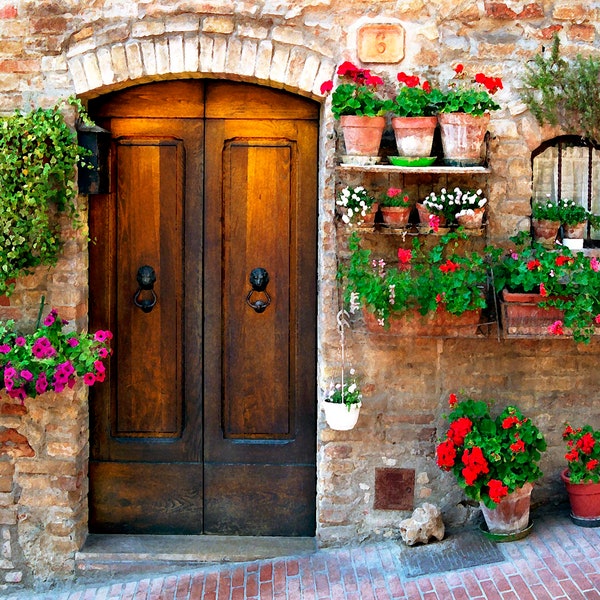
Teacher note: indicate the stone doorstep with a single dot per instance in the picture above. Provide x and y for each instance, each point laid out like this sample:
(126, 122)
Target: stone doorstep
(107, 555)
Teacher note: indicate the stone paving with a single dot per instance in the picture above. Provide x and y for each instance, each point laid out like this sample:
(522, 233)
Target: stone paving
(558, 560)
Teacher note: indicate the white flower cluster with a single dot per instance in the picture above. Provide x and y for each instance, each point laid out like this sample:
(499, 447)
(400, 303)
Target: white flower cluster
(356, 201)
(458, 201)
(346, 393)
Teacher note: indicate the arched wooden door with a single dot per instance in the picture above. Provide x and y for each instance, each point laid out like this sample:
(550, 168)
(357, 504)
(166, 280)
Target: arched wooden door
(207, 421)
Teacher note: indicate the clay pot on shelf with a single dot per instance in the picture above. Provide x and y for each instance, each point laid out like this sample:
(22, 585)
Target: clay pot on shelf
(362, 135)
(414, 135)
(462, 138)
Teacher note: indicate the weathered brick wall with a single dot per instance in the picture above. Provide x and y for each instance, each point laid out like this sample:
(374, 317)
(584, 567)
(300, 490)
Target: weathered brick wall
(50, 49)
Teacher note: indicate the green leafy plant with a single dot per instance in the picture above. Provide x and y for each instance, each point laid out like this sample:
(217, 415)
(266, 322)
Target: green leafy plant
(573, 213)
(426, 280)
(38, 158)
(394, 197)
(565, 280)
(50, 358)
(414, 99)
(356, 94)
(345, 392)
(473, 97)
(565, 93)
(583, 454)
(548, 210)
(490, 457)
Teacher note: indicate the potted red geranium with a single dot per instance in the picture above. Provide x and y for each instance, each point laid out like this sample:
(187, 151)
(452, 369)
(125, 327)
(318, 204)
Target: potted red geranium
(582, 475)
(494, 460)
(356, 103)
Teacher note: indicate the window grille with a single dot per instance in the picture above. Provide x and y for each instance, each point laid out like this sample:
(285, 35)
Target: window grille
(569, 167)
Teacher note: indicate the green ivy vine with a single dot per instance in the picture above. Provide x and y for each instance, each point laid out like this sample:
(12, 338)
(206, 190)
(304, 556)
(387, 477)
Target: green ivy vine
(39, 154)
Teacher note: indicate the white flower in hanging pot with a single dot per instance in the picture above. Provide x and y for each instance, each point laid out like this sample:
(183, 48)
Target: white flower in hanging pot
(342, 403)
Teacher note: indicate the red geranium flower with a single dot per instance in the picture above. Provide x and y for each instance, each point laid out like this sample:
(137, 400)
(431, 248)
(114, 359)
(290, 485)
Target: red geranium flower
(459, 429)
(497, 490)
(446, 455)
(326, 86)
(509, 422)
(404, 256)
(449, 267)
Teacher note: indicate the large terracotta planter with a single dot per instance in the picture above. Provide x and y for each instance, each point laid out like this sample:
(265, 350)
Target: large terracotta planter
(462, 138)
(523, 316)
(511, 515)
(362, 135)
(396, 215)
(412, 323)
(584, 499)
(414, 135)
(545, 231)
(340, 417)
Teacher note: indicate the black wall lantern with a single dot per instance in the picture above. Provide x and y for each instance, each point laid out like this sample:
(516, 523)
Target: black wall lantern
(95, 177)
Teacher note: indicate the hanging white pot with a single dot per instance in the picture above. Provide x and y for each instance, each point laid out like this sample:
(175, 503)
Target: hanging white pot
(341, 417)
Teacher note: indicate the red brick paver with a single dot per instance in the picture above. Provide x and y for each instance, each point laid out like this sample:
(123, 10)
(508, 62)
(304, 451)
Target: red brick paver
(557, 561)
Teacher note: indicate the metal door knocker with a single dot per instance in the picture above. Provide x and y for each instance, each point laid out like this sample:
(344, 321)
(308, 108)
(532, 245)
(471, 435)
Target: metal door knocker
(146, 278)
(259, 279)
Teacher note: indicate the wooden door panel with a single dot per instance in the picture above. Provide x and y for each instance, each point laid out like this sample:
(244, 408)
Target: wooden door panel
(260, 406)
(256, 202)
(263, 500)
(149, 233)
(150, 409)
(146, 497)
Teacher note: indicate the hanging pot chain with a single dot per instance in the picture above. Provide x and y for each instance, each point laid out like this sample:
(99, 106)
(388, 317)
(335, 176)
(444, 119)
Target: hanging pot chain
(342, 321)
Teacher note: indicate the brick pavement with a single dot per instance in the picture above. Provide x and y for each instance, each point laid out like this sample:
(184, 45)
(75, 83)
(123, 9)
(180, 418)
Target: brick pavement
(557, 561)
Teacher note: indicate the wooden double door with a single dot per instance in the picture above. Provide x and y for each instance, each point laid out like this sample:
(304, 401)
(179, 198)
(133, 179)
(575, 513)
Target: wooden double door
(206, 422)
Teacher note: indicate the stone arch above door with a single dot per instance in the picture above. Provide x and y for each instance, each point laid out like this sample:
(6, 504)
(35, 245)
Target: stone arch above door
(285, 63)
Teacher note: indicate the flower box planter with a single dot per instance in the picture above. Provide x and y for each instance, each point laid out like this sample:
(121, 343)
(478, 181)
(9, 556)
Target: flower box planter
(522, 315)
(412, 323)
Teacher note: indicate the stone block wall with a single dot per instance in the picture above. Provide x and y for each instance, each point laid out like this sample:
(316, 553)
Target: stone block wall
(52, 49)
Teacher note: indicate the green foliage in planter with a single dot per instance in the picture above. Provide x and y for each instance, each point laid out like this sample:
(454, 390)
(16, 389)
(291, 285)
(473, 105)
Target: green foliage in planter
(566, 280)
(38, 159)
(426, 280)
(564, 92)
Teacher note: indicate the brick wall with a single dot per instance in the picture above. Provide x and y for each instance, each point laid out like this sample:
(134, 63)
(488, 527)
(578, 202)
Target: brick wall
(47, 53)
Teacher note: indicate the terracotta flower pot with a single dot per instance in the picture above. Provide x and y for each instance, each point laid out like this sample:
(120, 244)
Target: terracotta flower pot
(545, 231)
(511, 514)
(424, 215)
(414, 135)
(462, 137)
(362, 135)
(472, 221)
(584, 499)
(339, 417)
(396, 215)
(574, 232)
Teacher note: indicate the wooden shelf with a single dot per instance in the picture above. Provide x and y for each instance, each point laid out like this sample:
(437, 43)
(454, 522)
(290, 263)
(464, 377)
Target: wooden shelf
(433, 170)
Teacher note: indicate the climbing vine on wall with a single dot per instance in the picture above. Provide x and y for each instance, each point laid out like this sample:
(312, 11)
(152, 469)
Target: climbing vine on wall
(38, 159)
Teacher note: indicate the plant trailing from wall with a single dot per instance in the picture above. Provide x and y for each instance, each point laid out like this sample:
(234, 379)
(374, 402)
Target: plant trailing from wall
(38, 159)
(50, 358)
(564, 92)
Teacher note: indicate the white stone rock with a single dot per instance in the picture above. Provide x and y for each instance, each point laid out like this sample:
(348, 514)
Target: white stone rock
(426, 523)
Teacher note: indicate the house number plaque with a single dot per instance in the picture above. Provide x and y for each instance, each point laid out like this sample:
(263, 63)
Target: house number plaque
(381, 43)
